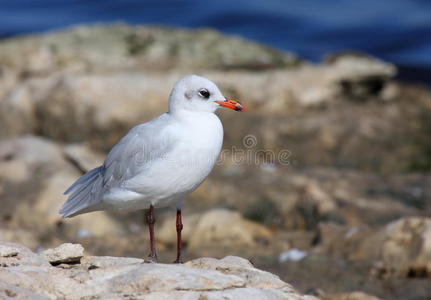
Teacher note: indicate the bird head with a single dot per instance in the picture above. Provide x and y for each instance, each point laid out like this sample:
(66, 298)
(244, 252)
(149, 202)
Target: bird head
(197, 93)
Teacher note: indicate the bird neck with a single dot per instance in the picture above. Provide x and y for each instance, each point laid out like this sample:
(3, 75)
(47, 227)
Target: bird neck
(186, 114)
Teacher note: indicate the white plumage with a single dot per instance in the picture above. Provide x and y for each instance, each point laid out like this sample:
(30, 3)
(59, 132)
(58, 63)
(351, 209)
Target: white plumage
(159, 162)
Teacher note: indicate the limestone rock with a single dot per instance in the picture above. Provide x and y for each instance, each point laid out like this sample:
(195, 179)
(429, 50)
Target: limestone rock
(37, 171)
(399, 249)
(25, 164)
(350, 296)
(167, 234)
(7, 251)
(70, 83)
(121, 47)
(83, 156)
(297, 199)
(241, 267)
(21, 236)
(224, 227)
(33, 151)
(103, 107)
(94, 262)
(216, 227)
(359, 76)
(405, 249)
(124, 278)
(13, 255)
(65, 253)
(9, 292)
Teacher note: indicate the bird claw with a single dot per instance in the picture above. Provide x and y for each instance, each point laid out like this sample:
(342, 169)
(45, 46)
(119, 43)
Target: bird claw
(178, 261)
(151, 259)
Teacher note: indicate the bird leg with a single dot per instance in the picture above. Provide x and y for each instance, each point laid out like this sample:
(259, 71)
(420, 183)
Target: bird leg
(179, 224)
(150, 221)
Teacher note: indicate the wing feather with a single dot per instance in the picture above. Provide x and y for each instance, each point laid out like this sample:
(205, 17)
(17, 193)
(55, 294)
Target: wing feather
(134, 153)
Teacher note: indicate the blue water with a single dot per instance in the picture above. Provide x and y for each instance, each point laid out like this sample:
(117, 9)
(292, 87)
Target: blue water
(394, 30)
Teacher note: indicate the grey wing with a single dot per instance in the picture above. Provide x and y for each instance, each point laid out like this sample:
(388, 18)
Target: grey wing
(143, 144)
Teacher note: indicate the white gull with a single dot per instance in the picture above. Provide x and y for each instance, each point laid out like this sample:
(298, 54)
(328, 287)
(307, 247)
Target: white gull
(159, 162)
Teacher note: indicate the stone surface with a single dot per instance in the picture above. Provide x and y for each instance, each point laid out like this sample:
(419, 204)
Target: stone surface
(14, 255)
(241, 267)
(405, 248)
(125, 278)
(83, 157)
(223, 227)
(350, 296)
(299, 199)
(18, 235)
(217, 227)
(6, 251)
(167, 234)
(37, 172)
(65, 253)
(122, 47)
(344, 106)
(103, 107)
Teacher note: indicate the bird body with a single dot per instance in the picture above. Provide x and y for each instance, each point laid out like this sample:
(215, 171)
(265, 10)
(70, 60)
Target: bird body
(195, 142)
(156, 164)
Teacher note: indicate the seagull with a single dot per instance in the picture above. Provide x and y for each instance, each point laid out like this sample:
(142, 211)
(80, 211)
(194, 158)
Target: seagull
(158, 163)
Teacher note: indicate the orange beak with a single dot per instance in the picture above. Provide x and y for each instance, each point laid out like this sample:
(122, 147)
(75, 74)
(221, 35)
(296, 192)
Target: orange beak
(232, 104)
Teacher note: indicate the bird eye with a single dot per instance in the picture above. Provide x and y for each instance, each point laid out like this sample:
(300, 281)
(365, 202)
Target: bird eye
(204, 93)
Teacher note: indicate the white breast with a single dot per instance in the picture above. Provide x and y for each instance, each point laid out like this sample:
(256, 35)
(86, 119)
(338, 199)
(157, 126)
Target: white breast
(182, 170)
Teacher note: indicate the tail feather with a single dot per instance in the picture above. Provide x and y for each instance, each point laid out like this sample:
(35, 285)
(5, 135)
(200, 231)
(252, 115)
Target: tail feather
(87, 176)
(85, 193)
(79, 196)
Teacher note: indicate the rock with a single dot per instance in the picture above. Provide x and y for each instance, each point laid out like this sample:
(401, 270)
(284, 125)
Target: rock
(119, 277)
(50, 199)
(215, 229)
(94, 262)
(167, 233)
(121, 47)
(94, 105)
(313, 110)
(14, 255)
(70, 83)
(33, 151)
(21, 236)
(301, 199)
(224, 227)
(25, 163)
(7, 81)
(65, 253)
(349, 296)
(102, 108)
(83, 157)
(359, 76)
(241, 267)
(405, 248)
(14, 292)
(37, 172)
(6, 251)
(399, 249)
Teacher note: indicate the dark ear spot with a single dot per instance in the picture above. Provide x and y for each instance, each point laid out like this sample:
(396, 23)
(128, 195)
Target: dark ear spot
(188, 95)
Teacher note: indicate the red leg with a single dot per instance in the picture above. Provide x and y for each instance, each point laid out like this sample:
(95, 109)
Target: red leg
(150, 221)
(179, 228)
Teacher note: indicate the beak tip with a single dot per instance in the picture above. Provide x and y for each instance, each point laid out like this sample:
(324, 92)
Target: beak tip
(232, 104)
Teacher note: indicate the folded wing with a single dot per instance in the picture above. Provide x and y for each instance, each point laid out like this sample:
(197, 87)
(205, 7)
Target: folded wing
(133, 155)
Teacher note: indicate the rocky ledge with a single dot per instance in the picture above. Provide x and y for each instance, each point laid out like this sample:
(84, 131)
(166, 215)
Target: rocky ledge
(66, 273)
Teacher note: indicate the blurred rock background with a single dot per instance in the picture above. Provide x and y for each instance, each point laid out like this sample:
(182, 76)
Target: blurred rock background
(324, 181)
